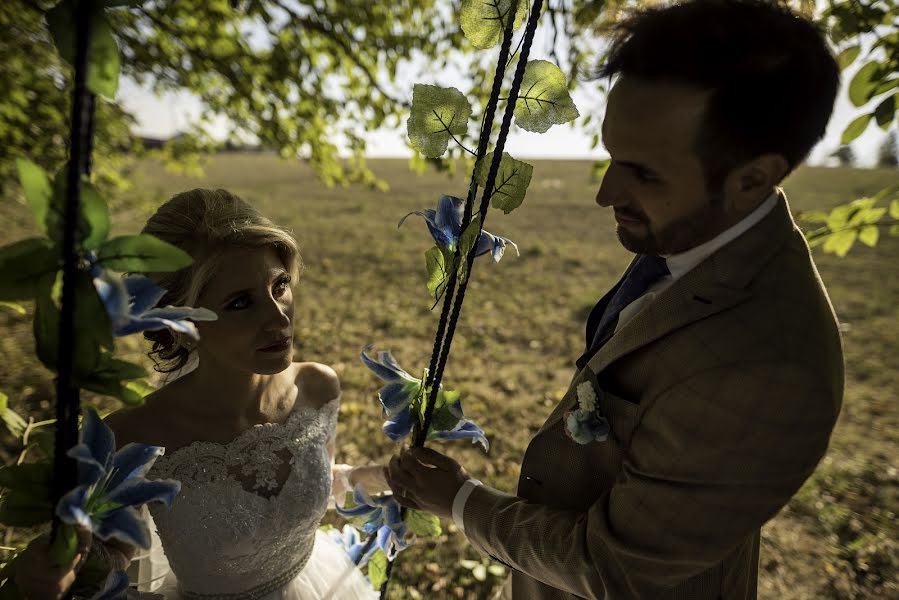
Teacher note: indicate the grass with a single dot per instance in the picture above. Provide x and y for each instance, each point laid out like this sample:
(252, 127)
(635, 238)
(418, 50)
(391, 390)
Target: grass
(519, 334)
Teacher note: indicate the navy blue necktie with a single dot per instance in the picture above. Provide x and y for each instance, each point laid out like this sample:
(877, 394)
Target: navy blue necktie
(646, 271)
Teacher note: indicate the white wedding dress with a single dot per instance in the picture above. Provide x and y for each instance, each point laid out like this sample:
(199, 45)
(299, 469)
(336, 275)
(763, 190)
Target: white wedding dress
(245, 524)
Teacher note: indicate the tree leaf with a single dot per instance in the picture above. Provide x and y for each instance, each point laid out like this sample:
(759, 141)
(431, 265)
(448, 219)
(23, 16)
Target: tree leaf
(33, 478)
(543, 100)
(855, 128)
(93, 329)
(848, 56)
(438, 113)
(23, 264)
(104, 63)
(16, 308)
(840, 242)
(885, 111)
(467, 241)
(377, 569)
(483, 21)
(93, 218)
(869, 235)
(862, 86)
(423, 524)
(38, 191)
(894, 208)
(142, 252)
(511, 184)
(46, 323)
(813, 216)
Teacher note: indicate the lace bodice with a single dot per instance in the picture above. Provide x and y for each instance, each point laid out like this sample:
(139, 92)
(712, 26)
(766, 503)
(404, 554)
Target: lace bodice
(246, 516)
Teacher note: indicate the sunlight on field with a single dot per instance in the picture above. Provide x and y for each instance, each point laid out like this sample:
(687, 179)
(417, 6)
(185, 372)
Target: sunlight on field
(521, 329)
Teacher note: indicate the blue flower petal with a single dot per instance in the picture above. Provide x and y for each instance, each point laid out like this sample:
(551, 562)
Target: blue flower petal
(89, 470)
(114, 588)
(356, 511)
(70, 508)
(98, 437)
(386, 372)
(384, 535)
(136, 492)
(133, 460)
(395, 397)
(465, 429)
(450, 211)
(143, 293)
(114, 295)
(124, 524)
(400, 426)
(499, 247)
(390, 362)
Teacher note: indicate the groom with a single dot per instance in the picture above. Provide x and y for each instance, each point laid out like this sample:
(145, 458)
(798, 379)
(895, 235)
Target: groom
(716, 360)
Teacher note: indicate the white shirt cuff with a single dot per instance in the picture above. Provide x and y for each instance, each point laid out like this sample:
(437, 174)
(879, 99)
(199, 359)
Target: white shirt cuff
(460, 500)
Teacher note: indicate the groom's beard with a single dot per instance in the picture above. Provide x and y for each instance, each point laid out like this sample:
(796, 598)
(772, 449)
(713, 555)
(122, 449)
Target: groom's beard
(685, 232)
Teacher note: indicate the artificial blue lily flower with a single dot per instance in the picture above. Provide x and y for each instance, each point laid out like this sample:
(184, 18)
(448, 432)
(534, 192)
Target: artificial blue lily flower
(396, 399)
(112, 484)
(383, 518)
(351, 542)
(129, 302)
(114, 588)
(445, 225)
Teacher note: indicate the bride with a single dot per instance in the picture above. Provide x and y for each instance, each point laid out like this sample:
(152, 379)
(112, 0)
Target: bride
(249, 433)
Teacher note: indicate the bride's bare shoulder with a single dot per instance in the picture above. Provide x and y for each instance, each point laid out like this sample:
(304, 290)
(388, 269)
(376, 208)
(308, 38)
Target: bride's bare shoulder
(150, 423)
(317, 383)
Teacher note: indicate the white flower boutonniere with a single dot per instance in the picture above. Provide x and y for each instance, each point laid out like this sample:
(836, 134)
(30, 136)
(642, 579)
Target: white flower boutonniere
(584, 424)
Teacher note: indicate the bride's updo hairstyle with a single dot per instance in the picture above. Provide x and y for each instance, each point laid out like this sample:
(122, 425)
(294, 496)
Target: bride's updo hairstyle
(204, 223)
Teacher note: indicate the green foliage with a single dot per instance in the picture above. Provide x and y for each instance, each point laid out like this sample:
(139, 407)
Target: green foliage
(23, 264)
(436, 259)
(103, 62)
(437, 115)
(423, 524)
(141, 253)
(511, 184)
(11, 419)
(26, 494)
(544, 99)
(861, 220)
(377, 569)
(484, 21)
(481, 569)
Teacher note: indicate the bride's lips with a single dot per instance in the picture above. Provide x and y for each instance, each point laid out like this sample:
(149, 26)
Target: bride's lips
(279, 346)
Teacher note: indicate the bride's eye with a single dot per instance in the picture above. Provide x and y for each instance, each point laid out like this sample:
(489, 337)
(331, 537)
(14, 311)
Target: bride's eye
(282, 285)
(238, 303)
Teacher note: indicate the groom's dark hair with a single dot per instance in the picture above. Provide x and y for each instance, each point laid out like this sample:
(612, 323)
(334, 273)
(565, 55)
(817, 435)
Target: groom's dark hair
(772, 76)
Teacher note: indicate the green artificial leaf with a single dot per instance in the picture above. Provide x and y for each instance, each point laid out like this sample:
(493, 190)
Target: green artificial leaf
(377, 569)
(437, 271)
(423, 524)
(23, 264)
(813, 216)
(65, 546)
(869, 235)
(894, 209)
(13, 421)
(855, 128)
(93, 218)
(840, 242)
(483, 21)
(848, 56)
(140, 387)
(885, 111)
(543, 100)
(142, 252)
(511, 183)
(467, 241)
(32, 478)
(38, 191)
(93, 329)
(445, 416)
(438, 113)
(107, 379)
(862, 86)
(46, 324)
(104, 62)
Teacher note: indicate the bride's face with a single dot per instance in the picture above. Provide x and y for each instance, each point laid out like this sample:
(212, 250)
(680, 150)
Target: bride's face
(252, 296)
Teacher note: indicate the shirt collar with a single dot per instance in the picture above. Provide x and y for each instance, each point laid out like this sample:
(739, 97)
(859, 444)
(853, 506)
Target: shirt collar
(680, 263)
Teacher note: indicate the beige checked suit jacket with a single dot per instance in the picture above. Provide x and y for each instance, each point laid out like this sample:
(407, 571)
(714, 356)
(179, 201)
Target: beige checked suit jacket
(721, 394)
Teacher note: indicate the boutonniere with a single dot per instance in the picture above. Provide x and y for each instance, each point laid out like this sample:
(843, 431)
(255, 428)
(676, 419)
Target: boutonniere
(584, 424)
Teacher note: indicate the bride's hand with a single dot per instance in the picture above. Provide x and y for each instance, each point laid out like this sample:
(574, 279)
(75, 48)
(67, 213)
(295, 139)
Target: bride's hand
(39, 577)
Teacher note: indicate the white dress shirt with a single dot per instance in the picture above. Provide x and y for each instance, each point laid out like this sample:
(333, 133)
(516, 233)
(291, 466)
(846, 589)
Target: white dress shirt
(678, 265)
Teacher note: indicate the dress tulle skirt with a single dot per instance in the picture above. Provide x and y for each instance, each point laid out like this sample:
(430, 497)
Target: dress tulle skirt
(328, 575)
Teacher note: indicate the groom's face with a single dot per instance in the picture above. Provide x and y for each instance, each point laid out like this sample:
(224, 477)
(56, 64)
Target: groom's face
(655, 182)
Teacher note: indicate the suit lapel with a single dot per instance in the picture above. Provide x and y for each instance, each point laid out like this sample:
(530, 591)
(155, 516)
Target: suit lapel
(716, 284)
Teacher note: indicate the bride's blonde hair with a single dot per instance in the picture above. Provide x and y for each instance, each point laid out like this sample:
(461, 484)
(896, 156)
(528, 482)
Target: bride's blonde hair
(203, 223)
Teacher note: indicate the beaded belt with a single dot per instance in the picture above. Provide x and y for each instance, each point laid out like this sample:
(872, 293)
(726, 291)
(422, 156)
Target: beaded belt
(256, 592)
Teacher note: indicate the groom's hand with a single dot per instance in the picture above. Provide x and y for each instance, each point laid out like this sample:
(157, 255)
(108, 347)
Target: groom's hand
(426, 480)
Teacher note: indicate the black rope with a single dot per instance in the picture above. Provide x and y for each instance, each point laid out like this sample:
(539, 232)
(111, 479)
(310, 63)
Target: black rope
(435, 372)
(67, 394)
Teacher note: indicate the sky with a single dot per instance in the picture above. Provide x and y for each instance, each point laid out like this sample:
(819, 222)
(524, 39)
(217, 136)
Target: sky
(166, 115)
